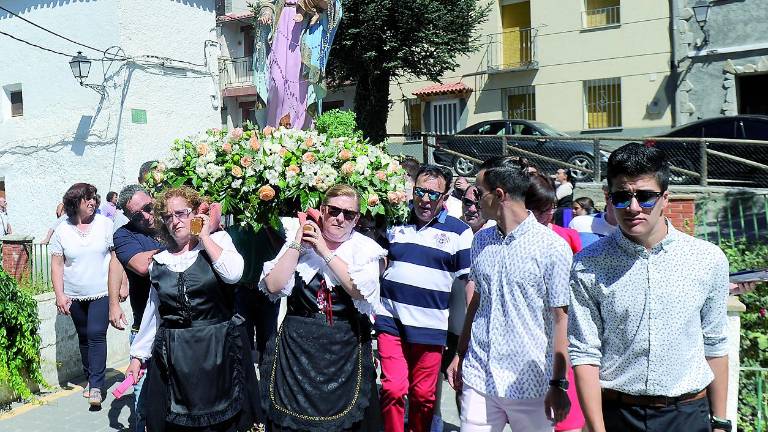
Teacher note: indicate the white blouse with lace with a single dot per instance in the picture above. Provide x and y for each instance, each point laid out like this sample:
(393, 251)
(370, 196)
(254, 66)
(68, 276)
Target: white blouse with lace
(229, 267)
(360, 253)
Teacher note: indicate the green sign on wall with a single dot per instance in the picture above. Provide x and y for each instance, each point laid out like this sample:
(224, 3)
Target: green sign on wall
(139, 116)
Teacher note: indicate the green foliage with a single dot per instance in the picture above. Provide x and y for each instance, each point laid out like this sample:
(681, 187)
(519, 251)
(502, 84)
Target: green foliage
(379, 41)
(19, 339)
(338, 124)
(754, 330)
(35, 287)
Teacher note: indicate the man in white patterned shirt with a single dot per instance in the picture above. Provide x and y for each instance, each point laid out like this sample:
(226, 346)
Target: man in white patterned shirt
(510, 364)
(647, 324)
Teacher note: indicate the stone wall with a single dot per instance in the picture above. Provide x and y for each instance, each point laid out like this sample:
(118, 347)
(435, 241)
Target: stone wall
(59, 352)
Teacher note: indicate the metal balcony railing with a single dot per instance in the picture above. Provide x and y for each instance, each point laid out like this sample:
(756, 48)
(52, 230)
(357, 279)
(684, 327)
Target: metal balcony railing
(236, 72)
(511, 49)
(601, 17)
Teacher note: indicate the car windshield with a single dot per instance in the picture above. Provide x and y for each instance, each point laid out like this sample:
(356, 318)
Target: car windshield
(548, 130)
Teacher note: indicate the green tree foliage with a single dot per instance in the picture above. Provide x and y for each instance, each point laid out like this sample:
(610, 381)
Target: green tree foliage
(383, 40)
(754, 331)
(19, 339)
(338, 124)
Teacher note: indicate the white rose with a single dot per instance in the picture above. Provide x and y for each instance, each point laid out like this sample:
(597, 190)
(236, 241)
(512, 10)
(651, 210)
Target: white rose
(201, 171)
(236, 184)
(361, 164)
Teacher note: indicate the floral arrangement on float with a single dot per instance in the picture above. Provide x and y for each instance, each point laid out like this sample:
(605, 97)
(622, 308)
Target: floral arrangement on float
(259, 176)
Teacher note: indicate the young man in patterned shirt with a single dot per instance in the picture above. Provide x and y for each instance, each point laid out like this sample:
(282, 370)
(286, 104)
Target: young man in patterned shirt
(647, 324)
(510, 364)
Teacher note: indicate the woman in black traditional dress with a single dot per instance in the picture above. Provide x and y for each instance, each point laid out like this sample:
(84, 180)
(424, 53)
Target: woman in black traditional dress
(319, 374)
(201, 377)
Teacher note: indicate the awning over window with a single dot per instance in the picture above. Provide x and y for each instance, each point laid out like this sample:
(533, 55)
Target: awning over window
(235, 16)
(457, 88)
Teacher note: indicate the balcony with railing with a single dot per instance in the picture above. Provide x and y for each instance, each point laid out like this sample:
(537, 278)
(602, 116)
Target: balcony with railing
(510, 50)
(601, 17)
(236, 72)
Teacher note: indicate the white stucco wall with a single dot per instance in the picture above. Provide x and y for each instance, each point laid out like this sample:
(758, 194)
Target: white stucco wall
(69, 133)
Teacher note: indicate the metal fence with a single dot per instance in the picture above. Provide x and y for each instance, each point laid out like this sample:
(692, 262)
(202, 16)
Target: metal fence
(38, 272)
(699, 161)
(236, 72)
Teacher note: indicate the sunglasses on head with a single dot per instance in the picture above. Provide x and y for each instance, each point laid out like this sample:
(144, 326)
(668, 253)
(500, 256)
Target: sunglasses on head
(422, 192)
(334, 211)
(645, 198)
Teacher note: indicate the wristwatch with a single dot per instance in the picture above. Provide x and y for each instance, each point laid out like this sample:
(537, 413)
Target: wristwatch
(720, 423)
(562, 384)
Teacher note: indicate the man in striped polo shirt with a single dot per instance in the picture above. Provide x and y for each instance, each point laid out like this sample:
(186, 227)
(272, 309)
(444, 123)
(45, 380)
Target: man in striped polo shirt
(425, 256)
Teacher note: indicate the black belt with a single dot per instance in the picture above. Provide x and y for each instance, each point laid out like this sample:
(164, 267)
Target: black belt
(193, 323)
(651, 401)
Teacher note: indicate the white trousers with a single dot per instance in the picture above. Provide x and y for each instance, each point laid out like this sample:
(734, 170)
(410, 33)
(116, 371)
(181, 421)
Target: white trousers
(484, 413)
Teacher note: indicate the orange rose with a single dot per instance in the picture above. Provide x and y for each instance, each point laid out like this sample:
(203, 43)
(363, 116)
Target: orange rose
(308, 143)
(345, 155)
(227, 147)
(309, 157)
(268, 130)
(255, 144)
(282, 152)
(202, 149)
(237, 171)
(246, 161)
(373, 200)
(266, 193)
(348, 168)
(292, 169)
(381, 175)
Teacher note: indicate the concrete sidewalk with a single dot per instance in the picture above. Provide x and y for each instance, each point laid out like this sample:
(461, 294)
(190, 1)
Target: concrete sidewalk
(66, 410)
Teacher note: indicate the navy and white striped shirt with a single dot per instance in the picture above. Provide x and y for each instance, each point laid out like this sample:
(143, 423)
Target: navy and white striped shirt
(416, 287)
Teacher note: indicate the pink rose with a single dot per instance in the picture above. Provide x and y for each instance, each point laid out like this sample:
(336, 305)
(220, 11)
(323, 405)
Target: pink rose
(309, 157)
(308, 143)
(227, 148)
(381, 175)
(282, 152)
(292, 169)
(266, 193)
(246, 161)
(237, 171)
(373, 200)
(348, 168)
(268, 130)
(236, 133)
(345, 155)
(255, 145)
(393, 198)
(203, 149)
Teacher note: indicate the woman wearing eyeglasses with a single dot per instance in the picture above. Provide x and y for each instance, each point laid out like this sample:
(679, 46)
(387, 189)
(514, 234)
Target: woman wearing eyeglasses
(540, 200)
(318, 374)
(80, 252)
(201, 377)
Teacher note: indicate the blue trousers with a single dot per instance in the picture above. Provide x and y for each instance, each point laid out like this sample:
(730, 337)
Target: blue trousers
(91, 319)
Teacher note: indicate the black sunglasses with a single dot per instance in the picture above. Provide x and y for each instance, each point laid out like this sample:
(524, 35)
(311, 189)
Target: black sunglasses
(645, 198)
(422, 192)
(334, 211)
(469, 203)
(148, 208)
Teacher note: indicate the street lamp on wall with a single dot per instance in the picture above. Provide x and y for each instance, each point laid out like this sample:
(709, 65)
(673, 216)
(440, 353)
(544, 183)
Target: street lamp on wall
(81, 67)
(701, 14)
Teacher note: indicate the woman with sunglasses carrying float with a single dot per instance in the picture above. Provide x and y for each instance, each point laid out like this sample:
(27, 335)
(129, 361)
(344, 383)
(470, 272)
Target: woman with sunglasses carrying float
(201, 377)
(318, 374)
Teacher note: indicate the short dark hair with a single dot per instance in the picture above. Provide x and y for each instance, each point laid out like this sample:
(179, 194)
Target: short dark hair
(410, 165)
(510, 173)
(76, 193)
(635, 159)
(435, 171)
(145, 168)
(126, 194)
(540, 195)
(111, 195)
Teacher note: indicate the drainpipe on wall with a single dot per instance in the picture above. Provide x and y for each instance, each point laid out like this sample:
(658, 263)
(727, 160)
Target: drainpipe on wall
(674, 40)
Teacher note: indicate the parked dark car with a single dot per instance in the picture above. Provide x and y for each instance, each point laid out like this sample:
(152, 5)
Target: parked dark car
(720, 169)
(484, 140)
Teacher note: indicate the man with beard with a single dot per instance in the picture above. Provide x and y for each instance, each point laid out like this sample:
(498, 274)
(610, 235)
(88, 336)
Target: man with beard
(135, 244)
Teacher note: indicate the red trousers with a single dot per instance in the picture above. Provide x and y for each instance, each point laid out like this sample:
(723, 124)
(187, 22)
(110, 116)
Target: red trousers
(408, 369)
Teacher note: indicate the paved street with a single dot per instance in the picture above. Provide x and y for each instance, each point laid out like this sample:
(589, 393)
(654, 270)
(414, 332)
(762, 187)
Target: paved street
(67, 411)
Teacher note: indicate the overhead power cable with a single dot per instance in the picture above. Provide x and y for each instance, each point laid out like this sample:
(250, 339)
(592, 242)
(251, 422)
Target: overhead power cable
(51, 31)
